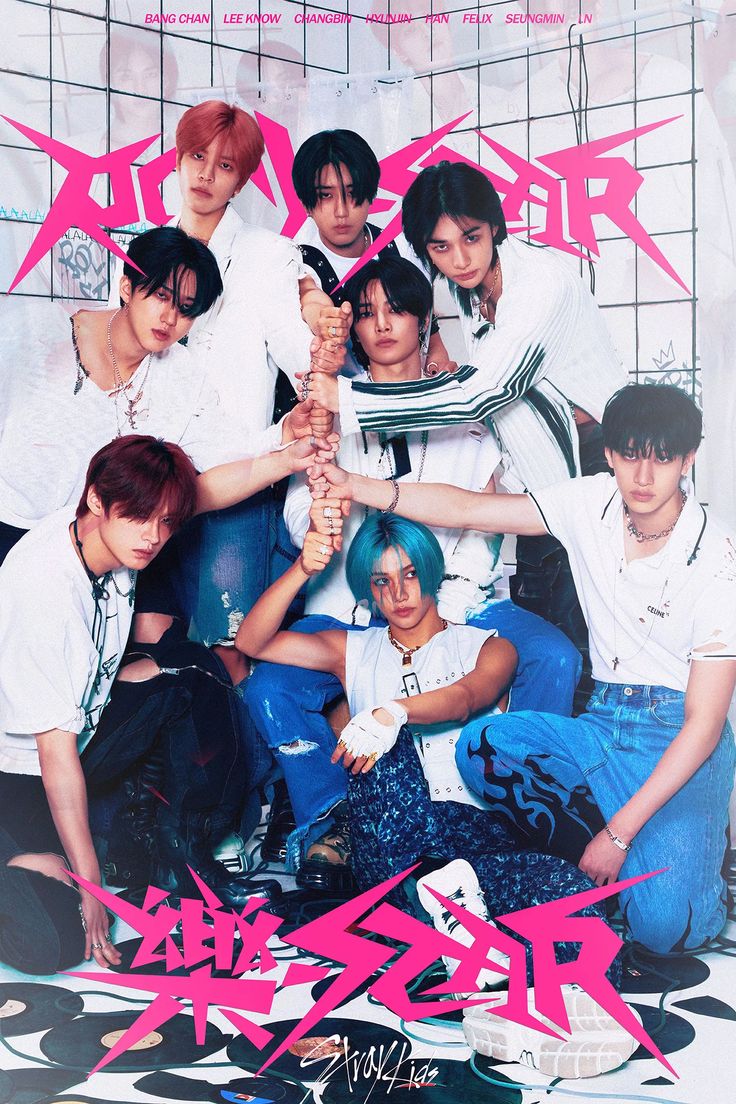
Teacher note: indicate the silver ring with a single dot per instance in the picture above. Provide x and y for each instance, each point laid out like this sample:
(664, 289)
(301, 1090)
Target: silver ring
(327, 511)
(108, 937)
(96, 946)
(324, 549)
(333, 331)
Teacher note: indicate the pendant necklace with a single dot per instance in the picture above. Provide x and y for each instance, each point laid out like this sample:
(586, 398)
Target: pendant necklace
(407, 653)
(131, 413)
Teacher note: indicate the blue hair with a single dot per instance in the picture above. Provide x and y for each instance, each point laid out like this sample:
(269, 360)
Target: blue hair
(377, 534)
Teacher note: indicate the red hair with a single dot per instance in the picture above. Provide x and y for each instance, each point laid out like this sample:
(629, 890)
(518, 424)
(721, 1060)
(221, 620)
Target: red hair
(213, 120)
(137, 475)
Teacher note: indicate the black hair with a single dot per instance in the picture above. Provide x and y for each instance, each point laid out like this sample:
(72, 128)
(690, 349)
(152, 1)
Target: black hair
(335, 147)
(407, 289)
(162, 255)
(459, 191)
(643, 418)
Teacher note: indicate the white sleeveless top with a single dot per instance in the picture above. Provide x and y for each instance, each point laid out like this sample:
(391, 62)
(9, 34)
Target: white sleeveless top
(374, 673)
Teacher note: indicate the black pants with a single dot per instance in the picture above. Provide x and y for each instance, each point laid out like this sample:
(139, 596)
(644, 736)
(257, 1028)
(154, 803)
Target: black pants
(189, 723)
(543, 582)
(40, 926)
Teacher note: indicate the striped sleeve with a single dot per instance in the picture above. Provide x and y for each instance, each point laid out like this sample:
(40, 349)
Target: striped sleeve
(529, 339)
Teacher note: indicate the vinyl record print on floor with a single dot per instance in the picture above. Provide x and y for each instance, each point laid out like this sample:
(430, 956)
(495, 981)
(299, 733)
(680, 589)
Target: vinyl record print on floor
(27, 1008)
(170, 1086)
(82, 1043)
(316, 1049)
(34, 1086)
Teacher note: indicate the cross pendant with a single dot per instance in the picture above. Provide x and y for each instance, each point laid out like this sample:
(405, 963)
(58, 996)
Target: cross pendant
(615, 662)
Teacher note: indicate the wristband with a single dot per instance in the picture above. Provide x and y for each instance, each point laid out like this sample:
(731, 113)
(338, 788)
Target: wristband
(616, 840)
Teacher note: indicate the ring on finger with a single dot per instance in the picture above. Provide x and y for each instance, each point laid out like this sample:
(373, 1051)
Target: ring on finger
(96, 946)
(324, 549)
(327, 511)
(333, 331)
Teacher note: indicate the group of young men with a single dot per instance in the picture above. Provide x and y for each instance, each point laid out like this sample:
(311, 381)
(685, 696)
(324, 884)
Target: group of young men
(628, 566)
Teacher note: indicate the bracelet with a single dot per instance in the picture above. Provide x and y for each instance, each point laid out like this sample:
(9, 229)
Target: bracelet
(616, 840)
(394, 498)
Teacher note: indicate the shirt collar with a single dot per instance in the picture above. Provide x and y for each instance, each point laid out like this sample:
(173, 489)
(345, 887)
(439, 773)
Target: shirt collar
(684, 536)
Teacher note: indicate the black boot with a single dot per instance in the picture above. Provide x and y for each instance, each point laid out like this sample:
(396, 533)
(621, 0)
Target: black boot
(131, 855)
(280, 825)
(189, 844)
(326, 867)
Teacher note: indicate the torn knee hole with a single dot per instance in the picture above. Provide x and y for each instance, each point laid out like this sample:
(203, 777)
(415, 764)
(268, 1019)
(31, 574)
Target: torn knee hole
(297, 747)
(140, 671)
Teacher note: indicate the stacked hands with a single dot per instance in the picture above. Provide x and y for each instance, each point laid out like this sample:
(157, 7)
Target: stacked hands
(373, 732)
(319, 384)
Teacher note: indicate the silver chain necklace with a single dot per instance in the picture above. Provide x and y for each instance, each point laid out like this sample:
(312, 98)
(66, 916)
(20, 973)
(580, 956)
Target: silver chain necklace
(131, 413)
(642, 537)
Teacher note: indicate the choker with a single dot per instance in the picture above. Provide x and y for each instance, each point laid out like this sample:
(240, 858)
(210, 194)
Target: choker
(642, 537)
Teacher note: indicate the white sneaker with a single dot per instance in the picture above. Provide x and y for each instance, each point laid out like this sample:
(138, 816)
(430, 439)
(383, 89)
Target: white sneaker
(596, 1043)
(458, 882)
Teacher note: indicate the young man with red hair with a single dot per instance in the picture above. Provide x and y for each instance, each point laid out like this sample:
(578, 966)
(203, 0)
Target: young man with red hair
(68, 721)
(254, 329)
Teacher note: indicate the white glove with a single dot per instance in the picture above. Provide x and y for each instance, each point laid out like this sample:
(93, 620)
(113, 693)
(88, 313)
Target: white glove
(364, 735)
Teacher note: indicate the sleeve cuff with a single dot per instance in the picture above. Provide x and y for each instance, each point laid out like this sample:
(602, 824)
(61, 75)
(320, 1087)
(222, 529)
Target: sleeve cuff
(348, 417)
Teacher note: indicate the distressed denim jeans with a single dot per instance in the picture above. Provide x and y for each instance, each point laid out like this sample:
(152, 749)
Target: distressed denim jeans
(559, 779)
(287, 703)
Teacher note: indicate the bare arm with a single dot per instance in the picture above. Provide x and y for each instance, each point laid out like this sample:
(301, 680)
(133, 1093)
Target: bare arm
(434, 503)
(709, 691)
(227, 484)
(259, 634)
(480, 689)
(66, 792)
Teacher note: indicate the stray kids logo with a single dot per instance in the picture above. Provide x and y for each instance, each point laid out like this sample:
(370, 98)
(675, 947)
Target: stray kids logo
(561, 197)
(341, 936)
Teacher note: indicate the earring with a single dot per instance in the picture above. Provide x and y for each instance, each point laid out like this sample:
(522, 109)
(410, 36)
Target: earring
(422, 335)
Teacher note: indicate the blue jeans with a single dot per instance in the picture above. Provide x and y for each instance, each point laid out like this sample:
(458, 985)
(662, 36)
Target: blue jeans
(558, 779)
(233, 570)
(286, 703)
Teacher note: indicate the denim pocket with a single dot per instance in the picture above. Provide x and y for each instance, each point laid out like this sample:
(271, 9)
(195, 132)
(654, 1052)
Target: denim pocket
(669, 712)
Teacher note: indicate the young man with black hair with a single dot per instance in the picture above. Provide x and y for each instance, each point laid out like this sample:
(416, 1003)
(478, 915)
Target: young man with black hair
(540, 363)
(336, 176)
(641, 781)
(70, 385)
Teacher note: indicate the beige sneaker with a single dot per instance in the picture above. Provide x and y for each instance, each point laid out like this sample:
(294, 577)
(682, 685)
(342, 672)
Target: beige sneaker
(596, 1043)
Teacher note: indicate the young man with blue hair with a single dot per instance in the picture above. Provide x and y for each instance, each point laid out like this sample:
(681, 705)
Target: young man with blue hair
(391, 301)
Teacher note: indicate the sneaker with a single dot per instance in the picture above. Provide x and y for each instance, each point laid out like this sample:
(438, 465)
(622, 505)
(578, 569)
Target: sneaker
(326, 866)
(596, 1043)
(457, 881)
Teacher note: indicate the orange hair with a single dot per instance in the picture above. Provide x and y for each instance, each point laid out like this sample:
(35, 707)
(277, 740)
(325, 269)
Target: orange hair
(213, 119)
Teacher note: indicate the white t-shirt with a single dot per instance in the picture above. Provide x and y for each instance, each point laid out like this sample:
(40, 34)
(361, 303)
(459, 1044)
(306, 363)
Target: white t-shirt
(374, 673)
(50, 430)
(653, 613)
(465, 456)
(59, 648)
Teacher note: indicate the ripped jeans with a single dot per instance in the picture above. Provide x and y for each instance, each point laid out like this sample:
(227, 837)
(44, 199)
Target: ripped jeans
(287, 704)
